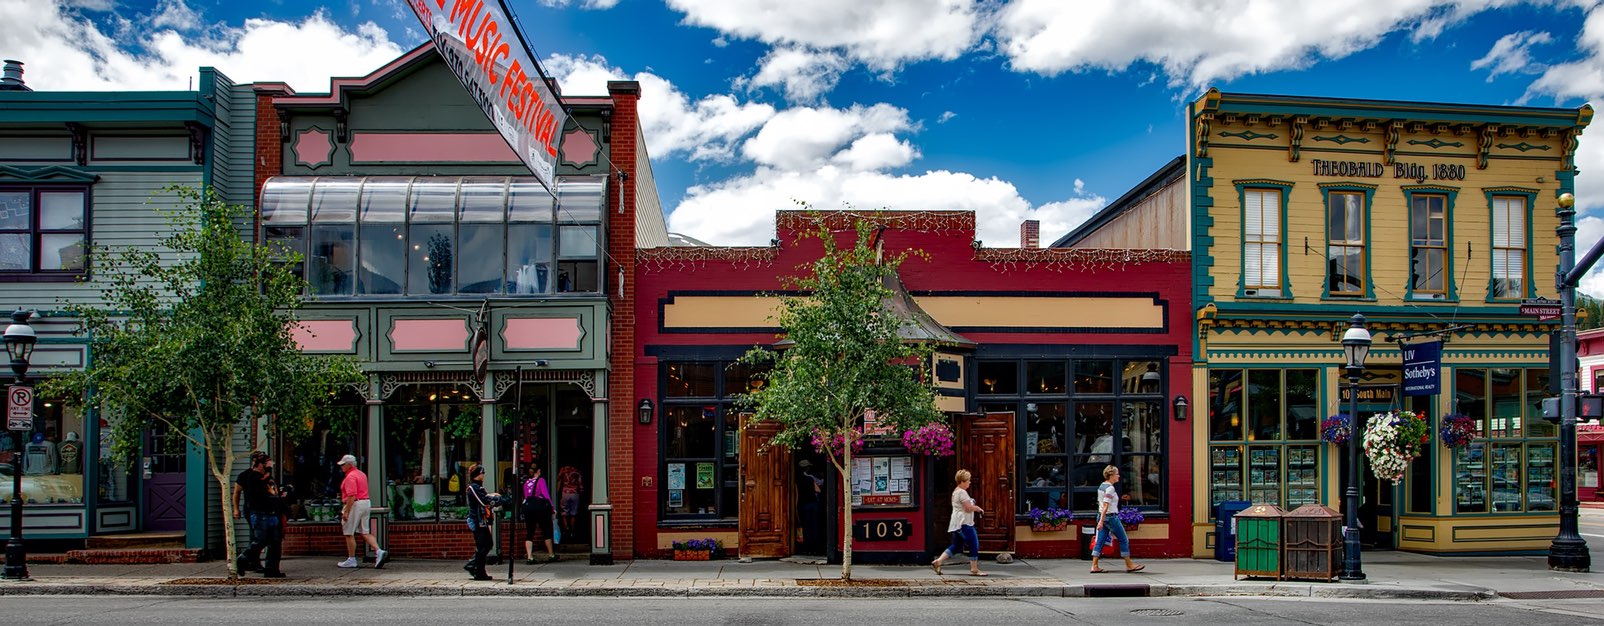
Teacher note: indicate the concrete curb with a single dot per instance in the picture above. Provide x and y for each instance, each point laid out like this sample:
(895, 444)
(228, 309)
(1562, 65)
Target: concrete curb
(533, 589)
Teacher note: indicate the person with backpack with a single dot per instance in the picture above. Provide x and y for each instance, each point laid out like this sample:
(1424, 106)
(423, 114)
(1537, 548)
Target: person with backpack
(481, 517)
(538, 512)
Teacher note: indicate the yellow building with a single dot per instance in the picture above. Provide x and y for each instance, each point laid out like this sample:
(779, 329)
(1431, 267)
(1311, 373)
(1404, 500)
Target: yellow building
(1432, 220)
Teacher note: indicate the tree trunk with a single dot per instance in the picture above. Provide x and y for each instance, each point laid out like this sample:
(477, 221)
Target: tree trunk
(846, 506)
(221, 475)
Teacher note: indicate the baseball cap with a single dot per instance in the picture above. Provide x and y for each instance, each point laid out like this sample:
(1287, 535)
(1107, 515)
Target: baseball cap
(347, 460)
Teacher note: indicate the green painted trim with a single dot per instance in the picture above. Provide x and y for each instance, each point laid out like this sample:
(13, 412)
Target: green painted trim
(1452, 293)
(1369, 192)
(1285, 189)
(45, 175)
(111, 169)
(1531, 199)
(1391, 109)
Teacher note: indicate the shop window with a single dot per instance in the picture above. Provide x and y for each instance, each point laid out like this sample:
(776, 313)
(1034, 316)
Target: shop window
(701, 437)
(43, 232)
(1345, 243)
(1109, 412)
(1509, 247)
(1510, 467)
(309, 466)
(52, 457)
(432, 438)
(1264, 428)
(1261, 242)
(1428, 245)
(383, 234)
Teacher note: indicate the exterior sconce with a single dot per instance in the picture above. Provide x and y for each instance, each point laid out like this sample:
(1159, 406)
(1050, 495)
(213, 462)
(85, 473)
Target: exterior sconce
(643, 411)
(1180, 408)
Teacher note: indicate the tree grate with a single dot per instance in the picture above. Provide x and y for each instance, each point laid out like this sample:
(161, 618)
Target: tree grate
(1156, 612)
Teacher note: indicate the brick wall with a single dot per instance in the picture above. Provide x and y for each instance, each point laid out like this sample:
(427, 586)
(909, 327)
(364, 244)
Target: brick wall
(414, 540)
(622, 427)
(269, 159)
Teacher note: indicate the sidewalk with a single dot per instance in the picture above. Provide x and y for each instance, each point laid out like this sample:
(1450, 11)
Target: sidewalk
(1392, 575)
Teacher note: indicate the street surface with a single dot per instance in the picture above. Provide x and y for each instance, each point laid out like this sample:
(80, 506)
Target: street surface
(810, 612)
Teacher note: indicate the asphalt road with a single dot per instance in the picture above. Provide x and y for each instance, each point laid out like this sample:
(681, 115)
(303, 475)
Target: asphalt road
(1591, 522)
(595, 611)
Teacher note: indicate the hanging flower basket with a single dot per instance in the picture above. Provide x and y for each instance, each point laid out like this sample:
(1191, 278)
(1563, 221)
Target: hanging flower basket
(826, 444)
(1049, 520)
(1392, 440)
(930, 440)
(1337, 428)
(1457, 431)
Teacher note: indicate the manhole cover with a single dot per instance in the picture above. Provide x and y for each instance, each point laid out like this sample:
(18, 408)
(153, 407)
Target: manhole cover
(1156, 612)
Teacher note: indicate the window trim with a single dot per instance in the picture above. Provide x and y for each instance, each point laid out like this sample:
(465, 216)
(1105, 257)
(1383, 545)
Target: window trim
(1530, 198)
(1451, 196)
(34, 274)
(1285, 190)
(1369, 192)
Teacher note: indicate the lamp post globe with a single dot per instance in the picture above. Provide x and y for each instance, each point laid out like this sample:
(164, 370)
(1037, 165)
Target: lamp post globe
(19, 338)
(1356, 347)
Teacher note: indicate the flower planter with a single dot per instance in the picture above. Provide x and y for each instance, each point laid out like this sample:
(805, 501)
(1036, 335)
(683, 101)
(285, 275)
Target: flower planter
(693, 555)
(1050, 528)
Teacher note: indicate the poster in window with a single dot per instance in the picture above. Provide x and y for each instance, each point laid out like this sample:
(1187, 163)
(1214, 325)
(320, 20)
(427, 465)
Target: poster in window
(1030, 441)
(676, 498)
(882, 474)
(676, 476)
(729, 444)
(704, 475)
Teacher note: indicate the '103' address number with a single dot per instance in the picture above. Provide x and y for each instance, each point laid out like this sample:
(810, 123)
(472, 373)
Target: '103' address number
(881, 530)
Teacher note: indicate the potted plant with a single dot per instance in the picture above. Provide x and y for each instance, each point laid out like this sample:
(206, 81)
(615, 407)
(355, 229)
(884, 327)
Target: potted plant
(1051, 519)
(1457, 430)
(698, 550)
(1336, 429)
(1131, 518)
(930, 440)
(1392, 440)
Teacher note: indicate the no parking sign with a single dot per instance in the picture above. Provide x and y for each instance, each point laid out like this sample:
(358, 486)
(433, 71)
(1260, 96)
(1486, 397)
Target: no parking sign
(19, 408)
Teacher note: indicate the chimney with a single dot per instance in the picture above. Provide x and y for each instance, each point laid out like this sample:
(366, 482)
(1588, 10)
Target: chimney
(1030, 234)
(11, 78)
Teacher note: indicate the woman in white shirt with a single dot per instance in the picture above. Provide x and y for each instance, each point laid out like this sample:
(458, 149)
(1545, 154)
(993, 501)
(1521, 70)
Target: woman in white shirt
(1108, 524)
(962, 527)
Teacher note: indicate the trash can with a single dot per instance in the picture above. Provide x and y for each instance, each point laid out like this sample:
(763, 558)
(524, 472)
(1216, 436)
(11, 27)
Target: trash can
(1258, 541)
(1313, 542)
(1225, 528)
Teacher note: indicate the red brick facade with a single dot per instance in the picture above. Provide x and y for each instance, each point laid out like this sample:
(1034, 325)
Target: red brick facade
(269, 159)
(622, 426)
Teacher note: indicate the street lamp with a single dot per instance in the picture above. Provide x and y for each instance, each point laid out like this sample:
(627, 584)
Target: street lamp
(1355, 346)
(1568, 552)
(19, 339)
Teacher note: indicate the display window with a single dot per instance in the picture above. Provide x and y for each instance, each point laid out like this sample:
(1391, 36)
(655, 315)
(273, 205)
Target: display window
(51, 456)
(700, 429)
(1510, 467)
(1263, 436)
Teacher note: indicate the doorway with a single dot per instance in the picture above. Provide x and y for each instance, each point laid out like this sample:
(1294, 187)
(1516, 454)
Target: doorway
(164, 477)
(811, 484)
(571, 457)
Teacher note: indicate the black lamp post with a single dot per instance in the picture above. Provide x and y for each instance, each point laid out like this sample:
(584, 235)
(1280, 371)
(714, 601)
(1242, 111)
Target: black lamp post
(19, 339)
(1356, 346)
(1568, 552)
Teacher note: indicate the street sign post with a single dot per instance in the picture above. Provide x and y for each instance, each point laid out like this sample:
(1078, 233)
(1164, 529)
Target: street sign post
(1541, 308)
(19, 408)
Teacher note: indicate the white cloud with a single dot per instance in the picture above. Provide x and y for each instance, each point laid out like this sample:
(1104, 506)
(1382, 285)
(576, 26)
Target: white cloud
(66, 52)
(801, 138)
(585, 4)
(91, 5)
(1512, 54)
(802, 75)
(175, 15)
(740, 211)
(1197, 42)
(707, 129)
(882, 34)
(946, 116)
(876, 152)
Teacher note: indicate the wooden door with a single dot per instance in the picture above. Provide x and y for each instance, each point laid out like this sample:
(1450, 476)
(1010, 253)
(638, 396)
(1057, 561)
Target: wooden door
(765, 492)
(986, 449)
(164, 484)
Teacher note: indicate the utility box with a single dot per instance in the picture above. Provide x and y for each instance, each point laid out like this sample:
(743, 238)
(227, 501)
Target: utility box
(1258, 542)
(1225, 528)
(1313, 543)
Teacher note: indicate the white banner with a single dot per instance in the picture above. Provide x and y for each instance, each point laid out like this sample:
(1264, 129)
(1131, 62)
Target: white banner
(484, 49)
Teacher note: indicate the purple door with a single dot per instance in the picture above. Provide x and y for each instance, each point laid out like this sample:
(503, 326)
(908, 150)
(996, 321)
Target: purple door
(164, 482)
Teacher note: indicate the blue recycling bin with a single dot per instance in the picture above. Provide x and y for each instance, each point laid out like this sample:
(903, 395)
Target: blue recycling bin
(1225, 528)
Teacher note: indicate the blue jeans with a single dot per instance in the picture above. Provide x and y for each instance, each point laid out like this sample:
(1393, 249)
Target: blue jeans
(1111, 526)
(965, 536)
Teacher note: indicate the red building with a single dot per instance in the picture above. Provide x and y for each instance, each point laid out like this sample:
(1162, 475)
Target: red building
(1059, 362)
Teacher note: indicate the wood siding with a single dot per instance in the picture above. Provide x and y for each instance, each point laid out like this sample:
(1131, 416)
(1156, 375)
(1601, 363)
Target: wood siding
(1157, 222)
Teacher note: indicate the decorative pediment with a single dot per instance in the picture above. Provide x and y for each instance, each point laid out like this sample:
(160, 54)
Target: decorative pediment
(45, 174)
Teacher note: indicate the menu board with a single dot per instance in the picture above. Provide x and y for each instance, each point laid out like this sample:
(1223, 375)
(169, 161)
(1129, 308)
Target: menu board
(882, 481)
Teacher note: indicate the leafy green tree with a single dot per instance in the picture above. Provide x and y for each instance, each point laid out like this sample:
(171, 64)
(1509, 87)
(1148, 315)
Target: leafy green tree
(844, 358)
(194, 338)
(1590, 312)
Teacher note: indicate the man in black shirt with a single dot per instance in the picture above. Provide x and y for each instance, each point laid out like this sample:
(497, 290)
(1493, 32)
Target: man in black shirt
(254, 501)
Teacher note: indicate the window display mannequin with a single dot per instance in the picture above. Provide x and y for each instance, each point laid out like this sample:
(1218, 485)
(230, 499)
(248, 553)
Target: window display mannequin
(40, 456)
(70, 453)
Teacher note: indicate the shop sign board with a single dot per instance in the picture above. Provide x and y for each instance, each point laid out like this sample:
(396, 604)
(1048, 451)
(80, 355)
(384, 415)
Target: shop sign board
(1422, 362)
(19, 408)
(482, 46)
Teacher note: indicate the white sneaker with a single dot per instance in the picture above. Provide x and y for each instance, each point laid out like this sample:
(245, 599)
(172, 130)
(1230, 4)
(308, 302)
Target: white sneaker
(349, 563)
(379, 561)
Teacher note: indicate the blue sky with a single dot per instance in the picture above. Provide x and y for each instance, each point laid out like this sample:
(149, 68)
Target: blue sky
(1016, 109)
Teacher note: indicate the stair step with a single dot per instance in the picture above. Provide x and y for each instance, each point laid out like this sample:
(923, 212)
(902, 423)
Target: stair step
(137, 541)
(134, 556)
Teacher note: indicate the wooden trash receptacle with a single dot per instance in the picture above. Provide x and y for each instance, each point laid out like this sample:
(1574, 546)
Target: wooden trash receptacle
(1258, 541)
(1313, 543)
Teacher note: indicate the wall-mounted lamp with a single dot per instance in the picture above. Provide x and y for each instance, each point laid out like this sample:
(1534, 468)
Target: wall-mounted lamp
(1180, 408)
(643, 411)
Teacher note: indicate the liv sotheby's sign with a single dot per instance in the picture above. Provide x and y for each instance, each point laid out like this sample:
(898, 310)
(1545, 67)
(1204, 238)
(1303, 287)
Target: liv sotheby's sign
(483, 48)
(1421, 364)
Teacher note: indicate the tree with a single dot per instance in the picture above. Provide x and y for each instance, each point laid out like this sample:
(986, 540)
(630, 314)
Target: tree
(844, 359)
(1590, 312)
(194, 336)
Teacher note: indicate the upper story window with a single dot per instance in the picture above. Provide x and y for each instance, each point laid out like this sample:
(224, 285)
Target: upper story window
(1261, 245)
(438, 235)
(43, 232)
(1509, 247)
(1345, 243)
(1428, 244)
